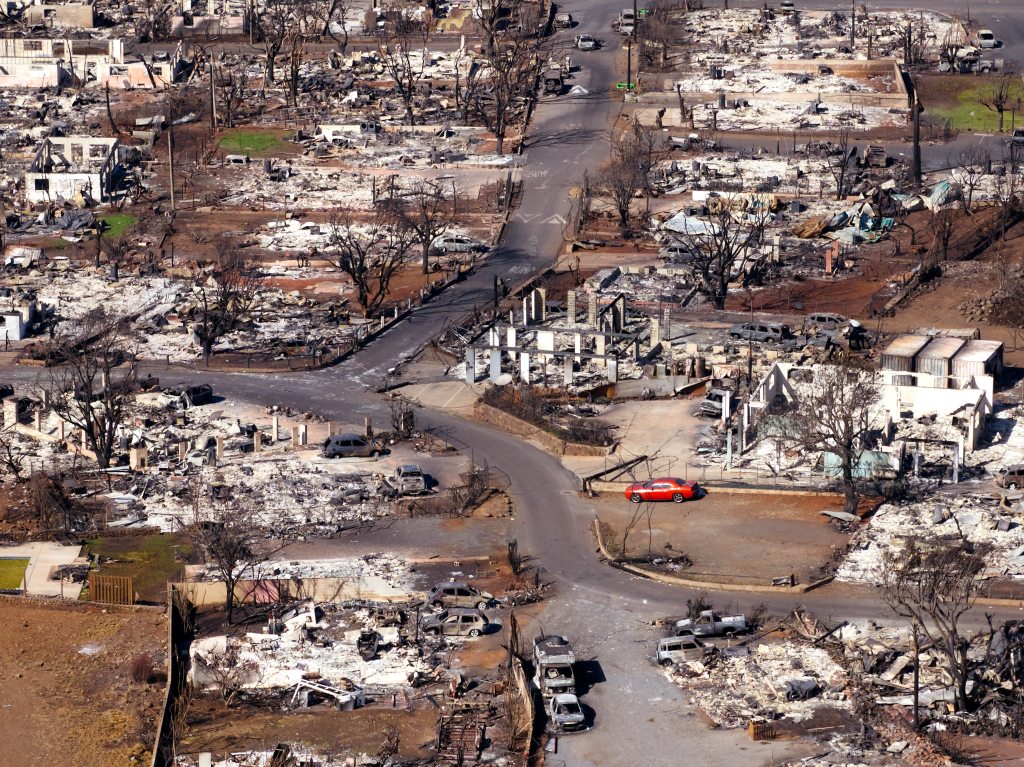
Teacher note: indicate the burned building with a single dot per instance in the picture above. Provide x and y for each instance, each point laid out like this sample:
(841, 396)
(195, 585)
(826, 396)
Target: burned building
(74, 167)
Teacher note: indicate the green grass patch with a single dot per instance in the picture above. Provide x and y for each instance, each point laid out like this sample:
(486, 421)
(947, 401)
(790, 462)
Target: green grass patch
(967, 113)
(239, 141)
(11, 572)
(118, 224)
(148, 559)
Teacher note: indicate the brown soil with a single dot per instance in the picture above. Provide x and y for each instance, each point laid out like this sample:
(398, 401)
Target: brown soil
(939, 305)
(219, 729)
(733, 536)
(63, 706)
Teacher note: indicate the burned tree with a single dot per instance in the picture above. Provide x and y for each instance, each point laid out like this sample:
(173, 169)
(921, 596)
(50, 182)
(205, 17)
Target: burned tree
(836, 415)
(371, 254)
(509, 74)
(427, 209)
(232, 89)
(336, 17)
(1002, 95)
(82, 385)
(969, 170)
(723, 248)
(232, 545)
(943, 224)
(491, 17)
(628, 171)
(933, 585)
(222, 296)
(272, 27)
(839, 159)
(402, 48)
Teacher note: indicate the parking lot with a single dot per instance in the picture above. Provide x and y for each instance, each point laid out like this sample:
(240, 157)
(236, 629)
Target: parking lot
(730, 537)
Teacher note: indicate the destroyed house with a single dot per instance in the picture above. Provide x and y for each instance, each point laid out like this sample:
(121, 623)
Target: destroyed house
(229, 17)
(72, 168)
(44, 62)
(34, 63)
(81, 15)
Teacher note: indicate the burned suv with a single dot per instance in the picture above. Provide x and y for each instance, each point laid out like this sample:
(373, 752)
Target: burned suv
(458, 594)
(456, 623)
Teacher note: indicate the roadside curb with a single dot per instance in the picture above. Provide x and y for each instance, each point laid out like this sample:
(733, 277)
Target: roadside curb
(703, 585)
(606, 486)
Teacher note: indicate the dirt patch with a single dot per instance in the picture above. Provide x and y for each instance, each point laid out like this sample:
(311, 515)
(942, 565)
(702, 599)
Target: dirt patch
(219, 729)
(941, 302)
(748, 537)
(68, 697)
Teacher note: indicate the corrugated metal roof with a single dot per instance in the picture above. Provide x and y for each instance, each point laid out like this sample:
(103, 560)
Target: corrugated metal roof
(978, 351)
(906, 346)
(941, 349)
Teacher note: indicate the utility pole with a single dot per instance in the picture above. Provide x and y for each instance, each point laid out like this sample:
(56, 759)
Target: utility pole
(629, 64)
(917, 679)
(213, 95)
(170, 161)
(915, 167)
(853, 23)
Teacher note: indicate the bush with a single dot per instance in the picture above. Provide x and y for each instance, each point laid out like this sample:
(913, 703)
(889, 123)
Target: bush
(143, 670)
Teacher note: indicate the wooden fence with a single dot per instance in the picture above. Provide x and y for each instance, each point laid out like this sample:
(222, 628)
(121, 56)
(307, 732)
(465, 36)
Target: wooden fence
(111, 589)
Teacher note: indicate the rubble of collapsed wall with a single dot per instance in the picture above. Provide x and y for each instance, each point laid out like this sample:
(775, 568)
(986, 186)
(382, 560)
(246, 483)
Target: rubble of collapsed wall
(762, 70)
(857, 678)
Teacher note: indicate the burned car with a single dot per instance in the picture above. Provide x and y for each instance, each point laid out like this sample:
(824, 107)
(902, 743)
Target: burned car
(456, 623)
(458, 594)
(565, 714)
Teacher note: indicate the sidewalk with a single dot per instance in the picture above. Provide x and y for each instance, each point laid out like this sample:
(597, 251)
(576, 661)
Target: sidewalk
(43, 557)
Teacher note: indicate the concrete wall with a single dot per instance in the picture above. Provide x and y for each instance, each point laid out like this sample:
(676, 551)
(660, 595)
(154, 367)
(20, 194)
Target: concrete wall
(80, 15)
(12, 326)
(549, 442)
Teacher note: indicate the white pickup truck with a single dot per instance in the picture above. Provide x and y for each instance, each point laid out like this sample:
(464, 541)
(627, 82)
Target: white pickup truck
(710, 624)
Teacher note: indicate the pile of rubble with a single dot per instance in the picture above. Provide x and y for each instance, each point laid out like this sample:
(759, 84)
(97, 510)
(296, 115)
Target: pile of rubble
(776, 680)
(316, 649)
(974, 520)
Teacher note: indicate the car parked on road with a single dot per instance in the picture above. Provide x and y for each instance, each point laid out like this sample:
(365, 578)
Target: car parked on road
(586, 43)
(1017, 139)
(456, 623)
(663, 489)
(457, 243)
(565, 714)
(563, 20)
(350, 446)
(987, 39)
(760, 331)
(458, 594)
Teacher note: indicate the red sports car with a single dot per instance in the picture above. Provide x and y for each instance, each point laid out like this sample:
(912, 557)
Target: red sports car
(663, 489)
